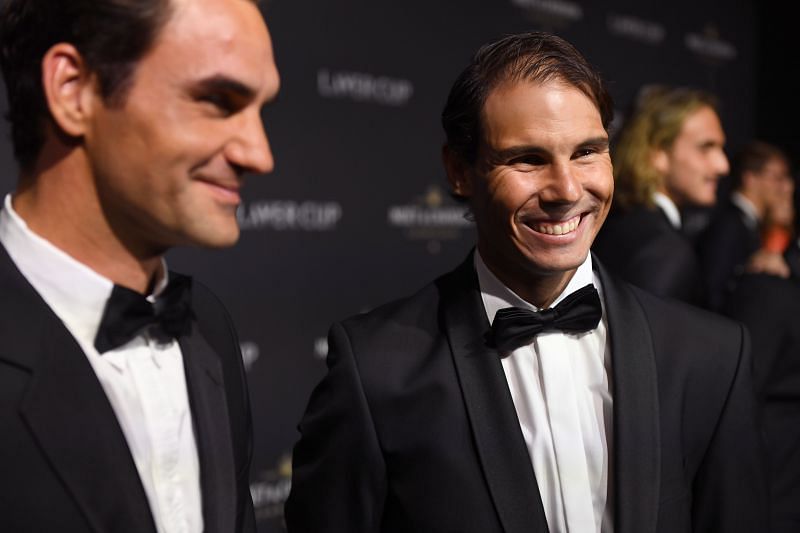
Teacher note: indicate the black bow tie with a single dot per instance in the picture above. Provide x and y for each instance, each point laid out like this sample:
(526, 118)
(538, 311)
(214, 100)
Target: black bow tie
(514, 327)
(128, 312)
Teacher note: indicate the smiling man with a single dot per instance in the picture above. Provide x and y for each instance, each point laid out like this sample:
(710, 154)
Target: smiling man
(528, 390)
(123, 403)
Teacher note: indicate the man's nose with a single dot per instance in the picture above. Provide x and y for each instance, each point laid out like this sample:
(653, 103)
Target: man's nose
(250, 149)
(563, 185)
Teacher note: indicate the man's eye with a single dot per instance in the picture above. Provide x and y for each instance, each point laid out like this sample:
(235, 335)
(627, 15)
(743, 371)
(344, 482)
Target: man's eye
(585, 152)
(533, 160)
(220, 101)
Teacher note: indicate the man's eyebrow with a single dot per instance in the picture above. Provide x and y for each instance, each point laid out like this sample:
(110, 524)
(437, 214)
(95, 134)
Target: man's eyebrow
(516, 151)
(220, 83)
(711, 143)
(512, 152)
(601, 143)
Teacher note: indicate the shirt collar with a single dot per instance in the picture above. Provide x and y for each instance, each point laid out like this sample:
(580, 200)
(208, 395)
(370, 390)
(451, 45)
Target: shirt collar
(669, 208)
(496, 295)
(746, 207)
(76, 293)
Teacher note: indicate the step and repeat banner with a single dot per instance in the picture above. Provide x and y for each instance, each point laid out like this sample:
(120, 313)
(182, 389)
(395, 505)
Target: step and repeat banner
(357, 211)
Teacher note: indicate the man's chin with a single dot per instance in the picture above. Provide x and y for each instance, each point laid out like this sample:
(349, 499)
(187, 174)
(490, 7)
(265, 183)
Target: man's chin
(214, 239)
(555, 265)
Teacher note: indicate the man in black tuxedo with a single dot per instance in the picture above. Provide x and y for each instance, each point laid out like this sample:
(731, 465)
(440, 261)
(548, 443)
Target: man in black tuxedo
(759, 182)
(123, 405)
(466, 408)
(669, 157)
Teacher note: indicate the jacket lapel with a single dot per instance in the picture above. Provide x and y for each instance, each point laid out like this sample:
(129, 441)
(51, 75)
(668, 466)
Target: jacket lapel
(68, 413)
(212, 429)
(637, 453)
(498, 437)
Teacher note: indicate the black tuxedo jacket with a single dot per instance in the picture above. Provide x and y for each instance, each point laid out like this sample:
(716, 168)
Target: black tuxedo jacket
(64, 463)
(414, 429)
(770, 308)
(724, 249)
(641, 246)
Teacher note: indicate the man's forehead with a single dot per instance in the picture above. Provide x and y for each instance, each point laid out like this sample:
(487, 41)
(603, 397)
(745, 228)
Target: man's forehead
(218, 39)
(551, 109)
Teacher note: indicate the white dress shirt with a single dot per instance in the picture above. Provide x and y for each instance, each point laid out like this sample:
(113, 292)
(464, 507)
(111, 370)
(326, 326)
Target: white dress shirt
(669, 208)
(751, 217)
(561, 391)
(143, 379)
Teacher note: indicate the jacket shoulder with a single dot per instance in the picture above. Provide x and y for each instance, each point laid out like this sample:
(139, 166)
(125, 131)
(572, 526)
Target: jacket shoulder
(675, 314)
(417, 311)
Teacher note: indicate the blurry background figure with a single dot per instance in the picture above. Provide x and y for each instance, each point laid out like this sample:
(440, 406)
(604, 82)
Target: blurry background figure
(763, 292)
(669, 156)
(769, 306)
(759, 207)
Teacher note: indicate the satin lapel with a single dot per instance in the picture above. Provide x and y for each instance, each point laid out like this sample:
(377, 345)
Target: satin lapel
(637, 452)
(68, 413)
(498, 437)
(213, 432)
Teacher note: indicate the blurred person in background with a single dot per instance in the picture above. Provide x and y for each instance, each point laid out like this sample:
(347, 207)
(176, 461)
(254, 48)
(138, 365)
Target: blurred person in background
(669, 156)
(750, 230)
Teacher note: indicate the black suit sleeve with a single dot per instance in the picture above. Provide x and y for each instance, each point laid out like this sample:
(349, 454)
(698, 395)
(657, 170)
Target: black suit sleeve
(730, 488)
(338, 475)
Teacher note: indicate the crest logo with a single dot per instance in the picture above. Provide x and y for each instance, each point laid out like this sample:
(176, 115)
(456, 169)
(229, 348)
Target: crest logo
(433, 217)
(710, 46)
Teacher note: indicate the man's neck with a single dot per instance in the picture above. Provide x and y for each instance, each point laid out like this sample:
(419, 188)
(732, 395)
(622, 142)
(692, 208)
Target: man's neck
(539, 289)
(62, 207)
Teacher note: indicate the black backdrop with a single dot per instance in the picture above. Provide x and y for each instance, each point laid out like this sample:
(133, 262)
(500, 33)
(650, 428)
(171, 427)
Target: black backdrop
(357, 210)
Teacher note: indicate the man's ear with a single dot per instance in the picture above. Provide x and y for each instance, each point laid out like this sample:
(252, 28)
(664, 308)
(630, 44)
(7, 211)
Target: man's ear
(660, 160)
(458, 173)
(69, 88)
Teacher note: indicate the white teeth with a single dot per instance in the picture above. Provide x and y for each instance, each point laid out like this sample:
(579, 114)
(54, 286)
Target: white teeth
(558, 229)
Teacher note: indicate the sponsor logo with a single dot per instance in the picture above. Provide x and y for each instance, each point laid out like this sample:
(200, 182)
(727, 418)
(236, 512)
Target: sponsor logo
(321, 348)
(433, 217)
(364, 87)
(551, 13)
(710, 46)
(250, 353)
(271, 490)
(286, 215)
(641, 30)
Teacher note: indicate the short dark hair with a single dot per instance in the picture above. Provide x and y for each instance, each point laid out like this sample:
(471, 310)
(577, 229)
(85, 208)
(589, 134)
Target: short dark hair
(752, 158)
(111, 35)
(532, 56)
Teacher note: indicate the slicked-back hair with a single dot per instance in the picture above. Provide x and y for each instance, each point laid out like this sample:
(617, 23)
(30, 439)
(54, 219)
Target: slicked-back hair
(527, 57)
(753, 157)
(654, 124)
(111, 35)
